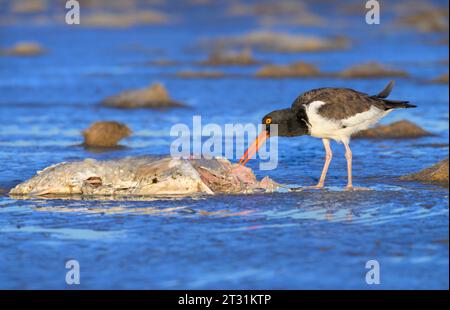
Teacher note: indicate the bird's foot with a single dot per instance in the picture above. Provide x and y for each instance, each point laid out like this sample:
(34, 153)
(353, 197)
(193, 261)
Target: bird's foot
(356, 188)
(318, 186)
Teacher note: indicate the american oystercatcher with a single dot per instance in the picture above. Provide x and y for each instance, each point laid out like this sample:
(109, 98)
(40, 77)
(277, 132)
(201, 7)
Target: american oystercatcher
(328, 113)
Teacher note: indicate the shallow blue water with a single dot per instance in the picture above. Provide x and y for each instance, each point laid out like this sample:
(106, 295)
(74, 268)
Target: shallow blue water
(285, 240)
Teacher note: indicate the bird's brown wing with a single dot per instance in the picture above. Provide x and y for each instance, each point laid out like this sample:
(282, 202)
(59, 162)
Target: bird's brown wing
(340, 103)
(306, 97)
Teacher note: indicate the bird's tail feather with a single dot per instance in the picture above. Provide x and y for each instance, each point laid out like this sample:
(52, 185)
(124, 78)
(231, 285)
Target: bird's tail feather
(396, 104)
(386, 91)
(392, 104)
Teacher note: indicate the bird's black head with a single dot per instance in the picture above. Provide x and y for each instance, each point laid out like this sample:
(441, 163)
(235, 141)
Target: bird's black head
(290, 122)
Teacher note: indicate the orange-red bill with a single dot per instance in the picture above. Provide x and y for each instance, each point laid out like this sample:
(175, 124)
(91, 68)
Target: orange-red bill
(253, 148)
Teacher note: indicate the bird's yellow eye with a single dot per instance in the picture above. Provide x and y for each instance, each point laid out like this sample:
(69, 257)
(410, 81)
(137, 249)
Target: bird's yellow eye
(268, 121)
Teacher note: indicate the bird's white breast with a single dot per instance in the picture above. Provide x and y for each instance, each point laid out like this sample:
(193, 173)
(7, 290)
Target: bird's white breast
(320, 126)
(340, 129)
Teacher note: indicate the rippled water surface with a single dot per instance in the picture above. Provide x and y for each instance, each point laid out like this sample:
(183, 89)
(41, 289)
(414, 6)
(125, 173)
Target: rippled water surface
(310, 239)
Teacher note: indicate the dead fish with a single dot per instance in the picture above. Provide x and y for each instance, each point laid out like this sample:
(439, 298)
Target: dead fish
(144, 176)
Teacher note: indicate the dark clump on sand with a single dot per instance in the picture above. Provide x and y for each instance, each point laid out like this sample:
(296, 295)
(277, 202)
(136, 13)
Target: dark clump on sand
(436, 174)
(372, 70)
(155, 96)
(189, 74)
(243, 58)
(24, 49)
(297, 69)
(397, 130)
(105, 134)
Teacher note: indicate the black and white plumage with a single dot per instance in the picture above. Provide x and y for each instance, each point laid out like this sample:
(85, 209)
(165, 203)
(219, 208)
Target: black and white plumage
(333, 113)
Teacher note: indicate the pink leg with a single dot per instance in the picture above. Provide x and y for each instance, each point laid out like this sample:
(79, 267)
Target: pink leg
(328, 157)
(348, 156)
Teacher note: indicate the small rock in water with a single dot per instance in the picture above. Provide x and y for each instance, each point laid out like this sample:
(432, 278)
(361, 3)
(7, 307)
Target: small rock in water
(155, 96)
(436, 174)
(125, 18)
(430, 19)
(28, 6)
(372, 70)
(442, 79)
(105, 134)
(297, 69)
(243, 58)
(24, 49)
(188, 74)
(397, 130)
(279, 42)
